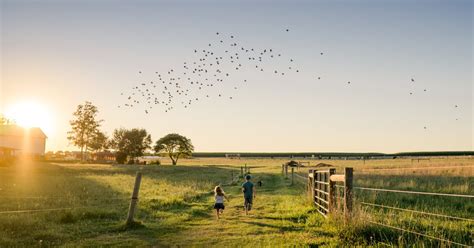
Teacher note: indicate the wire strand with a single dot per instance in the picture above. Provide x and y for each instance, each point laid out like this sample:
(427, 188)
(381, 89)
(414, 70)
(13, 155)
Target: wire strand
(414, 192)
(419, 234)
(302, 177)
(48, 209)
(416, 211)
(52, 197)
(413, 168)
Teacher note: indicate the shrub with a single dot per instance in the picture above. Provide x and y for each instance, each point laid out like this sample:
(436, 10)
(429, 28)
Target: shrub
(121, 157)
(155, 162)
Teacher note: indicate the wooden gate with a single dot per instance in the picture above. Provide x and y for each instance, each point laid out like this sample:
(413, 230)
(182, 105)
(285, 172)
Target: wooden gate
(324, 191)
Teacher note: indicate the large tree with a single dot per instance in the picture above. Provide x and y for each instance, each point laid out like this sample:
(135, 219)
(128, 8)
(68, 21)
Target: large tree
(130, 143)
(84, 126)
(175, 146)
(99, 142)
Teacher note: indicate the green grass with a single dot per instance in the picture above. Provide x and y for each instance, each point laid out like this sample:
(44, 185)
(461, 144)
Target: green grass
(459, 231)
(175, 207)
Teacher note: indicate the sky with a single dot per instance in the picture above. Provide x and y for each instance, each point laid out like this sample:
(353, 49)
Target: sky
(59, 54)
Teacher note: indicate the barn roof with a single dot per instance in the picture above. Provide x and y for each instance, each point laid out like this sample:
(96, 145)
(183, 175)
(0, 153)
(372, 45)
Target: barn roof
(14, 130)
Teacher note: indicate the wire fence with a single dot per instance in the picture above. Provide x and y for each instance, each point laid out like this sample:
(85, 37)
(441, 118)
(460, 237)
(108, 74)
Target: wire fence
(411, 210)
(25, 211)
(419, 234)
(414, 192)
(300, 177)
(54, 197)
(416, 211)
(414, 168)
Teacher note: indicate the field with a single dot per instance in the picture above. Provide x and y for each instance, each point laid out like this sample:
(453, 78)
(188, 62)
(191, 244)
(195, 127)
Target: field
(175, 206)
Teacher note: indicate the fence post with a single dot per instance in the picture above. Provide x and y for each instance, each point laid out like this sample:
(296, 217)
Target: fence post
(286, 171)
(242, 171)
(134, 200)
(308, 186)
(348, 175)
(246, 169)
(292, 175)
(332, 191)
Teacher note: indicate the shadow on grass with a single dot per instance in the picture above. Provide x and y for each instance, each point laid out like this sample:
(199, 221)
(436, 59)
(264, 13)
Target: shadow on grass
(280, 228)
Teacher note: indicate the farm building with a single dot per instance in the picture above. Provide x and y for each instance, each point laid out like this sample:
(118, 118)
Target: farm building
(16, 141)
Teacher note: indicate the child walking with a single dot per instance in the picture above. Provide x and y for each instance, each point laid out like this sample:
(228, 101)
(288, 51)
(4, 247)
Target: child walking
(249, 194)
(219, 196)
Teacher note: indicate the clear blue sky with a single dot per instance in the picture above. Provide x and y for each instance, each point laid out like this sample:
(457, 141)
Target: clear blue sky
(62, 53)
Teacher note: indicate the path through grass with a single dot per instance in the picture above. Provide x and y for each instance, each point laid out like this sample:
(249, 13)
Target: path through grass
(175, 208)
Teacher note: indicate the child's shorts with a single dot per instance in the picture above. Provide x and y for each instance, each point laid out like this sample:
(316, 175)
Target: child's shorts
(219, 206)
(248, 202)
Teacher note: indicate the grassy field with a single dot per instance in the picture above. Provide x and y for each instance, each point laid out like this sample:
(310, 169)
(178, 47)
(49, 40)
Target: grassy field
(175, 207)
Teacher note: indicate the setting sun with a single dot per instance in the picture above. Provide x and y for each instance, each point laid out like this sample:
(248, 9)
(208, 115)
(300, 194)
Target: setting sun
(30, 114)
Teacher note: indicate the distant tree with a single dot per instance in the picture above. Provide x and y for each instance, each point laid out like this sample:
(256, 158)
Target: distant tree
(99, 142)
(84, 126)
(175, 146)
(130, 143)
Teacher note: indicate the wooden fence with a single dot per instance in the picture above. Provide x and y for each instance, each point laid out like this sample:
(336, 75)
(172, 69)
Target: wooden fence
(323, 191)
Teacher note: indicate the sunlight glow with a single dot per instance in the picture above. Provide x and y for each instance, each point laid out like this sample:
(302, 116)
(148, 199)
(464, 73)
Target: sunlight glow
(30, 114)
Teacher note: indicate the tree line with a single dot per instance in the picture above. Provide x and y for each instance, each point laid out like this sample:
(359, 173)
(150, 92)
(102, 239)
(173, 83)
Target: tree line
(127, 144)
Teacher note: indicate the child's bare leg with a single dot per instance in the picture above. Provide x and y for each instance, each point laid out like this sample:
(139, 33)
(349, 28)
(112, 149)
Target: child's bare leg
(217, 213)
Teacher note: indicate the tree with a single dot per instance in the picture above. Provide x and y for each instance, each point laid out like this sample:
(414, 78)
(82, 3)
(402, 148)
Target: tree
(99, 142)
(130, 143)
(84, 126)
(175, 145)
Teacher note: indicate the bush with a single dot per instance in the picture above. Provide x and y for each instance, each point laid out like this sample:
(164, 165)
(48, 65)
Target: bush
(121, 157)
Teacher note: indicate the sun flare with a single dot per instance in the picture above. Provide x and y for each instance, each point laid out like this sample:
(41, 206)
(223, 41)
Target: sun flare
(30, 114)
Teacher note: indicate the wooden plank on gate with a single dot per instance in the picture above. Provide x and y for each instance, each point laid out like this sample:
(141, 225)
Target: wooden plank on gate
(325, 196)
(337, 178)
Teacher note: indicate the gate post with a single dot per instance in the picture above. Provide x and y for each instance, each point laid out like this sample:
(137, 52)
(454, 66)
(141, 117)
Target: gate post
(311, 186)
(348, 175)
(332, 191)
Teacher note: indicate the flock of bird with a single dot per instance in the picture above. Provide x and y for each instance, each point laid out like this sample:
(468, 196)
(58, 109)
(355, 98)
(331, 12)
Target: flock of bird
(221, 63)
